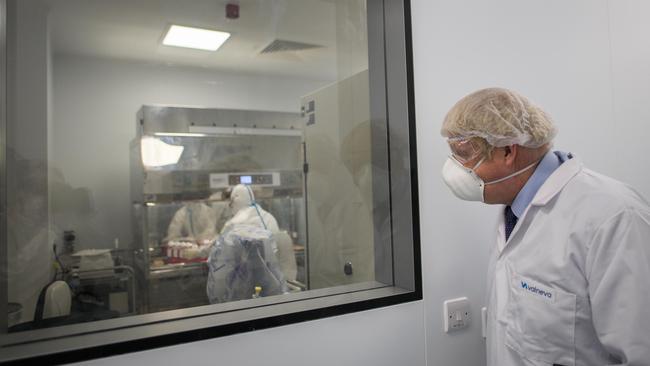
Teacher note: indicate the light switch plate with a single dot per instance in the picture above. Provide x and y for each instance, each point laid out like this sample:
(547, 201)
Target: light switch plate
(457, 314)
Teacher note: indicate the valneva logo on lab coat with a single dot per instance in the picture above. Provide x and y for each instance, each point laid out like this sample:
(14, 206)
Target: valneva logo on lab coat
(537, 291)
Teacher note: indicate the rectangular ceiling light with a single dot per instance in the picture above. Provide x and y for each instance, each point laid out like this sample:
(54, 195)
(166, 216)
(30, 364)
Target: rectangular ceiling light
(201, 39)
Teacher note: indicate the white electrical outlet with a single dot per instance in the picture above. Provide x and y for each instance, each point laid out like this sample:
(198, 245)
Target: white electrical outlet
(457, 314)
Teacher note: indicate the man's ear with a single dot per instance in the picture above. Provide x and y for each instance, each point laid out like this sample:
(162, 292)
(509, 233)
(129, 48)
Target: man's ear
(510, 154)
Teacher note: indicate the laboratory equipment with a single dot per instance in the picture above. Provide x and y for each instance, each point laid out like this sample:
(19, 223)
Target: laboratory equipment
(68, 241)
(341, 184)
(182, 156)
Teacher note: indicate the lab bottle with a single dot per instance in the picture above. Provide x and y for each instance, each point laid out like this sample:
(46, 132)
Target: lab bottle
(68, 241)
(75, 282)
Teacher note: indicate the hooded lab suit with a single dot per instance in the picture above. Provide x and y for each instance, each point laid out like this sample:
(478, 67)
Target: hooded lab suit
(246, 253)
(247, 212)
(570, 286)
(195, 220)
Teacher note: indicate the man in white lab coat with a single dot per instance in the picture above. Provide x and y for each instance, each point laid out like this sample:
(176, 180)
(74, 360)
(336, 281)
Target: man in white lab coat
(568, 278)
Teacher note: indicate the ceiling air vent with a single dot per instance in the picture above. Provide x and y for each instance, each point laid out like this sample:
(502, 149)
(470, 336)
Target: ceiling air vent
(280, 45)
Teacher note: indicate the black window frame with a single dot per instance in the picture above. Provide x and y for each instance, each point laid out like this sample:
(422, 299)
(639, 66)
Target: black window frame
(390, 20)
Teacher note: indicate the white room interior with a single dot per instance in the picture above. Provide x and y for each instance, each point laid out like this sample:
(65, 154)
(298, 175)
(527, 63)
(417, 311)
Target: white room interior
(587, 62)
(113, 63)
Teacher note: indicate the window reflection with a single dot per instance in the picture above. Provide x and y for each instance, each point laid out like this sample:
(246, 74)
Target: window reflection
(144, 178)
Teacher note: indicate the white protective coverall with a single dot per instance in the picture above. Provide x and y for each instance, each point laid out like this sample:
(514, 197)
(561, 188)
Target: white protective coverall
(247, 212)
(571, 285)
(195, 220)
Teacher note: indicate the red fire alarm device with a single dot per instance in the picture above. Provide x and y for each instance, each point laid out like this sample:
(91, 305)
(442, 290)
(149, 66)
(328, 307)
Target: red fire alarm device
(232, 11)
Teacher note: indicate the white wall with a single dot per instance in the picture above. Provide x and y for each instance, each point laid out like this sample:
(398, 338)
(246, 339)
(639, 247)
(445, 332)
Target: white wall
(95, 105)
(557, 52)
(630, 43)
(389, 337)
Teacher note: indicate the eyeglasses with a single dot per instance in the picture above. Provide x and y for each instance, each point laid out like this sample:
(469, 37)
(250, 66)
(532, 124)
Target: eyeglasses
(464, 149)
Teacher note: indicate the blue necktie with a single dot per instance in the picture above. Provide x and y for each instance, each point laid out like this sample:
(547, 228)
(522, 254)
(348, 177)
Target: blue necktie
(511, 221)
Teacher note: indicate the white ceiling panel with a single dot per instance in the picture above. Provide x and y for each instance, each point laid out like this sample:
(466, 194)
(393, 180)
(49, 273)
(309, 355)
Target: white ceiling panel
(133, 30)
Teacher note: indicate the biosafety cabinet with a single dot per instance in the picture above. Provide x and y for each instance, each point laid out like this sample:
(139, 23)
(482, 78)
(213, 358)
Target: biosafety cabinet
(183, 162)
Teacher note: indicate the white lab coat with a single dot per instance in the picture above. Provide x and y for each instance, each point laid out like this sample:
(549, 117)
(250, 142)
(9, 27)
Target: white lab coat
(195, 220)
(572, 284)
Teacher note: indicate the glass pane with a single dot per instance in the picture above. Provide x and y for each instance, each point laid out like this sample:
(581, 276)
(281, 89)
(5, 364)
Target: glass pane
(166, 155)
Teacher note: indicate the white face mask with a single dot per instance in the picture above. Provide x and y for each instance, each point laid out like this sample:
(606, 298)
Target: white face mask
(465, 183)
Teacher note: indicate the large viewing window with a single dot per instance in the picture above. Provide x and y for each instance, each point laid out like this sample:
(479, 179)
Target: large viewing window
(180, 170)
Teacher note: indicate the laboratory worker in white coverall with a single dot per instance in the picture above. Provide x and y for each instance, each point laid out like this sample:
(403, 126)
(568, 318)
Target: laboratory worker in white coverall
(569, 274)
(248, 212)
